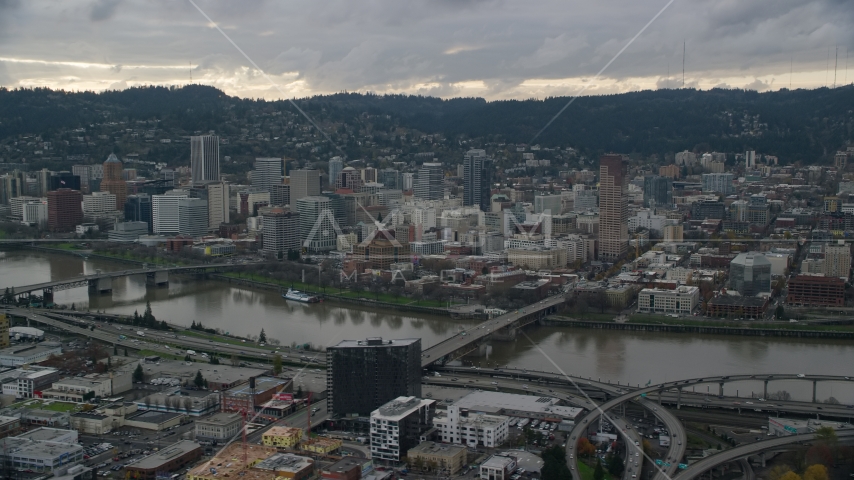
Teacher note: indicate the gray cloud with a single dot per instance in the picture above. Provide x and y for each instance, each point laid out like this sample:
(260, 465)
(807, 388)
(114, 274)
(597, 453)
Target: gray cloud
(103, 10)
(491, 48)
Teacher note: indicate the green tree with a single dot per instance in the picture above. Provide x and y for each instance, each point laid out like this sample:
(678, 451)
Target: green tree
(554, 464)
(598, 472)
(780, 313)
(214, 360)
(263, 337)
(147, 316)
(138, 374)
(277, 364)
(826, 435)
(299, 392)
(199, 381)
(615, 464)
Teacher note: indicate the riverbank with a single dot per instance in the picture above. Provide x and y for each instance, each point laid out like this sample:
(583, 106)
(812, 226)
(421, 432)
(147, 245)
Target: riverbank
(381, 300)
(721, 328)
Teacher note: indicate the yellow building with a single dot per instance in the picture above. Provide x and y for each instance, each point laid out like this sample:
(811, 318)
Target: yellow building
(228, 463)
(4, 330)
(321, 446)
(450, 458)
(286, 437)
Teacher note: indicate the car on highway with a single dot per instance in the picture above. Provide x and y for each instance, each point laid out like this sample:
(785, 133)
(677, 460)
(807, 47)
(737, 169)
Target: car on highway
(801, 375)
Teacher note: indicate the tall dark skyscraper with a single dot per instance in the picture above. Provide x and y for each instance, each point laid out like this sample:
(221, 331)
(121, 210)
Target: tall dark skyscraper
(657, 191)
(138, 209)
(204, 159)
(477, 178)
(613, 208)
(362, 375)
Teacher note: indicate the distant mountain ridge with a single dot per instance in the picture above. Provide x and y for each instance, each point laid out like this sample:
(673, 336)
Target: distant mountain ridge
(797, 125)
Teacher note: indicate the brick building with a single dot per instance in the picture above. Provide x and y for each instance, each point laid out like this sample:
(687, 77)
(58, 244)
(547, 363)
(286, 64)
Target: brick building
(816, 291)
(252, 394)
(64, 209)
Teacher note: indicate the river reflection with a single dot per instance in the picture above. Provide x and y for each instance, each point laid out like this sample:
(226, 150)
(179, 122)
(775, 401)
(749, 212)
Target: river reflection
(635, 357)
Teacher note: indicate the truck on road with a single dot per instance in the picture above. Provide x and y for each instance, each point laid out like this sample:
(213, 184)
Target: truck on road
(140, 333)
(191, 352)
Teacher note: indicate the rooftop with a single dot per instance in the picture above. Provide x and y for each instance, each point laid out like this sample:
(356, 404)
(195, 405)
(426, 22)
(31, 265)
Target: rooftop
(152, 416)
(285, 462)
(262, 384)
(45, 434)
(440, 449)
(31, 449)
(165, 455)
(400, 407)
(283, 432)
(229, 461)
(345, 464)
(221, 418)
(29, 350)
(497, 461)
(500, 402)
(226, 374)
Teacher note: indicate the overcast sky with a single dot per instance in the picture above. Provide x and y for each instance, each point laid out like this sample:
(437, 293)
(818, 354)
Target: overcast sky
(494, 49)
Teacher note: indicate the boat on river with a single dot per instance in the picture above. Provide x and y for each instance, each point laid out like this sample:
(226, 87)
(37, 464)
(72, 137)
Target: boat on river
(298, 296)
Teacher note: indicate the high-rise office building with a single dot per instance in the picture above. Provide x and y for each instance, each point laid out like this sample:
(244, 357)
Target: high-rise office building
(304, 183)
(657, 191)
(837, 260)
(613, 208)
(718, 182)
(362, 375)
(428, 184)
(64, 209)
(750, 274)
(164, 212)
(218, 207)
(192, 216)
(267, 172)
(113, 181)
(43, 180)
(750, 159)
(98, 205)
(204, 159)
(550, 204)
(407, 181)
(336, 164)
(477, 180)
(318, 232)
(368, 174)
(349, 179)
(280, 232)
(390, 178)
(280, 195)
(138, 209)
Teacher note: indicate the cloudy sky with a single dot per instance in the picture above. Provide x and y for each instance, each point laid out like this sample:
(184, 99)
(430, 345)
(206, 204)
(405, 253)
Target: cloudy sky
(495, 49)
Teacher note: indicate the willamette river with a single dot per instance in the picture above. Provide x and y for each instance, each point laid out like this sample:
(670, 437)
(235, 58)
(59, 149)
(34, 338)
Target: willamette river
(615, 355)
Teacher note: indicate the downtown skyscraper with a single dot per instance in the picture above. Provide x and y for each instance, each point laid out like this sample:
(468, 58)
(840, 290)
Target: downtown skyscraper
(204, 159)
(613, 208)
(477, 179)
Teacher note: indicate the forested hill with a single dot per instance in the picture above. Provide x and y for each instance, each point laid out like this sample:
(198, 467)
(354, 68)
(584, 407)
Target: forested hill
(805, 125)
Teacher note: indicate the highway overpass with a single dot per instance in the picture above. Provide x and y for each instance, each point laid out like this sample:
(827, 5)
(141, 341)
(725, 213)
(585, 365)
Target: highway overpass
(733, 454)
(102, 282)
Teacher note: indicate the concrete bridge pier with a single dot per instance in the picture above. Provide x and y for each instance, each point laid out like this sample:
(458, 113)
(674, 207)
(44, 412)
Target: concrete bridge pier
(762, 459)
(507, 333)
(814, 383)
(47, 296)
(101, 285)
(659, 398)
(157, 279)
(765, 391)
(678, 398)
(721, 389)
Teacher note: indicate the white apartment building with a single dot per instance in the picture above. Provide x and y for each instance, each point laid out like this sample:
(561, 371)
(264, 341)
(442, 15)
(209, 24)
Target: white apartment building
(648, 220)
(537, 259)
(837, 260)
(681, 300)
(462, 427)
(396, 426)
(164, 212)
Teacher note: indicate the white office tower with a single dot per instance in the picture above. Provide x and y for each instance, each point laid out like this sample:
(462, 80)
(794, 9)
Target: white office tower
(336, 164)
(318, 230)
(204, 159)
(35, 213)
(218, 205)
(428, 185)
(304, 183)
(407, 180)
(750, 159)
(164, 211)
(268, 172)
(192, 217)
(281, 232)
(837, 260)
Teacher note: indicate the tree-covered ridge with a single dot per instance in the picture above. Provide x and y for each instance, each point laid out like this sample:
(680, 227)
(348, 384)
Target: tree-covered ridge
(797, 125)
